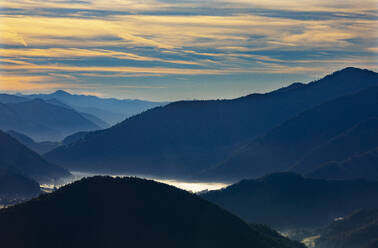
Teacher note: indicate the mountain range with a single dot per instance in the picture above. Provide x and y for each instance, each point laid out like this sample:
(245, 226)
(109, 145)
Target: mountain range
(358, 230)
(41, 120)
(15, 187)
(362, 165)
(289, 201)
(109, 110)
(19, 159)
(52, 117)
(39, 147)
(229, 139)
(132, 212)
(332, 131)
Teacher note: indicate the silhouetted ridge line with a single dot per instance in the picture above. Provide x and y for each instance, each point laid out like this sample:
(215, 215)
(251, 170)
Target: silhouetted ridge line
(113, 212)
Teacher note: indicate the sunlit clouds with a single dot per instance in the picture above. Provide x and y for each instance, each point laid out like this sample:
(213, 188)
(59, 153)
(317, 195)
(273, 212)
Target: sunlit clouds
(180, 49)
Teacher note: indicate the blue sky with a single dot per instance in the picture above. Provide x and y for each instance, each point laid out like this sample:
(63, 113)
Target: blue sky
(171, 50)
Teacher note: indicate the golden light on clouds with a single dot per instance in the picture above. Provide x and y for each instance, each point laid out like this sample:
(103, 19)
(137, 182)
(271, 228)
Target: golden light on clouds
(71, 43)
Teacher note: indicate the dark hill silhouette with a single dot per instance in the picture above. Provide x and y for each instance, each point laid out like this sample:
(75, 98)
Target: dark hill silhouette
(38, 147)
(359, 230)
(360, 138)
(127, 212)
(14, 187)
(186, 137)
(364, 165)
(290, 142)
(42, 121)
(18, 158)
(287, 200)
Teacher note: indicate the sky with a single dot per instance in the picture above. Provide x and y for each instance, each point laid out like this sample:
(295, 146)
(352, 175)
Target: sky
(166, 50)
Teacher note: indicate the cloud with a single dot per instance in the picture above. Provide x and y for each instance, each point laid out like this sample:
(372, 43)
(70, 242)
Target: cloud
(75, 42)
(9, 82)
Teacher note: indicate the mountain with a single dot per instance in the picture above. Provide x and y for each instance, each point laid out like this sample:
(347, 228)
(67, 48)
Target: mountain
(309, 137)
(110, 110)
(17, 158)
(360, 138)
(359, 230)
(38, 147)
(288, 200)
(15, 187)
(184, 138)
(132, 212)
(42, 121)
(99, 122)
(6, 98)
(364, 165)
(74, 137)
(94, 119)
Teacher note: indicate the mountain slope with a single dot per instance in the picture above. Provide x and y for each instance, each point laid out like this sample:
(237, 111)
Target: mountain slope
(360, 138)
(287, 200)
(110, 110)
(74, 137)
(364, 165)
(186, 137)
(42, 121)
(359, 230)
(14, 187)
(38, 147)
(94, 119)
(18, 158)
(7, 98)
(132, 212)
(292, 141)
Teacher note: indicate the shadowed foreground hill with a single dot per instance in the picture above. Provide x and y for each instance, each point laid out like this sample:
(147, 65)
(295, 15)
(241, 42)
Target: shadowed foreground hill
(359, 230)
(16, 157)
(184, 138)
(287, 200)
(127, 212)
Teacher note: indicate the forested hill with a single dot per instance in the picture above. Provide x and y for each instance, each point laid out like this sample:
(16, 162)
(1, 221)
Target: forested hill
(114, 212)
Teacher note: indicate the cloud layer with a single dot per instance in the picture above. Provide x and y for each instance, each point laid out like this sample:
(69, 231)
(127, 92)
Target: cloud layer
(180, 49)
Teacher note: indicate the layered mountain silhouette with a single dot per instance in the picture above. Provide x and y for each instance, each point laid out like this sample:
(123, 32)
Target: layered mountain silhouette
(42, 121)
(334, 130)
(288, 200)
(15, 187)
(19, 159)
(360, 138)
(132, 212)
(110, 110)
(99, 122)
(189, 137)
(359, 230)
(7, 98)
(38, 147)
(364, 165)
(74, 137)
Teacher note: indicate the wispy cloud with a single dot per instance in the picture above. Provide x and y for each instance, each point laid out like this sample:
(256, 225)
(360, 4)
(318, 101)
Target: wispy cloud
(62, 43)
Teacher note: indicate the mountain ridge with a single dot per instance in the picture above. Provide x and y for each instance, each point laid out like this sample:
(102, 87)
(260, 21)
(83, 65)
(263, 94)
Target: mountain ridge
(91, 213)
(188, 137)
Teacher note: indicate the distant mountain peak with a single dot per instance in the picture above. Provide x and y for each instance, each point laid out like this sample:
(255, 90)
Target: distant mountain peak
(61, 92)
(351, 70)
